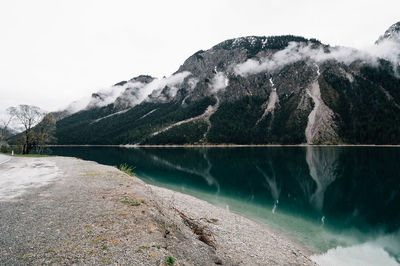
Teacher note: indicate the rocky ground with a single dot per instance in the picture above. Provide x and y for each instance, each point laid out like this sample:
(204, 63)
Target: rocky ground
(95, 214)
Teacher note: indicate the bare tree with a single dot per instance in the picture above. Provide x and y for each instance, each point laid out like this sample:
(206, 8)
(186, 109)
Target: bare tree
(44, 132)
(27, 116)
(4, 123)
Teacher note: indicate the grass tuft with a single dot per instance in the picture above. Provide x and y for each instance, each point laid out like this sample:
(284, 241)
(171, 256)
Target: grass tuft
(127, 169)
(169, 260)
(129, 201)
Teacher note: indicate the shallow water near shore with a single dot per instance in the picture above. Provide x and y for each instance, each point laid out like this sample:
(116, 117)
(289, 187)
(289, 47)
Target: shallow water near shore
(342, 203)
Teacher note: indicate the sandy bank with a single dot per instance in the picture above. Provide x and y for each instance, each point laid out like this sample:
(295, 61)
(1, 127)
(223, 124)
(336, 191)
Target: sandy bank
(94, 214)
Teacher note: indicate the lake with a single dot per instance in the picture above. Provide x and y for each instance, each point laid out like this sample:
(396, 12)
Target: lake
(340, 202)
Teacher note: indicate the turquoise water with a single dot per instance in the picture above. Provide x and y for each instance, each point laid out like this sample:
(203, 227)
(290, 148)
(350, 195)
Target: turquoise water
(336, 201)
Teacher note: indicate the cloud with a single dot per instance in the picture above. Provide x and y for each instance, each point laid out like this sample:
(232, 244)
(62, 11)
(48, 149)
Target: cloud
(192, 82)
(156, 87)
(132, 93)
(219, 82)
(77, 105)
(106, 96)
(387, 49)
(102, 98)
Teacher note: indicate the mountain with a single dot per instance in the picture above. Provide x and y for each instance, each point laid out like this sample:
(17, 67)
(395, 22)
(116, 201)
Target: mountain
(393, 33)
(8, 132)
(253, 90)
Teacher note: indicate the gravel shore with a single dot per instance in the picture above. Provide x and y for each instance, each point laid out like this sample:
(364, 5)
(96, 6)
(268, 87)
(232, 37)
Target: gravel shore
(94, 214)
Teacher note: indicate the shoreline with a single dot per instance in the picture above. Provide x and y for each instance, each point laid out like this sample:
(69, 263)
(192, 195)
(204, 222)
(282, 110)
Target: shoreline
(130, 146)
(101, 212)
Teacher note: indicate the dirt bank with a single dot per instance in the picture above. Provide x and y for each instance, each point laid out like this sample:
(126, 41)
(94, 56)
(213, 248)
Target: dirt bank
(94, 214)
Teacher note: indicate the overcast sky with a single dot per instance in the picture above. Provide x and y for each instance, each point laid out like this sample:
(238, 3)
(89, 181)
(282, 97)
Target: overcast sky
(54, 52)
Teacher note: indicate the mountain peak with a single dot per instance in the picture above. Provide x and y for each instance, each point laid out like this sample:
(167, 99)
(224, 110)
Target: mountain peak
(393, 32)
(143, 78)
(262, 42)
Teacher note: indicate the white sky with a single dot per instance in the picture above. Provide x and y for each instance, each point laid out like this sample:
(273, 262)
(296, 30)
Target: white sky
(54, 52)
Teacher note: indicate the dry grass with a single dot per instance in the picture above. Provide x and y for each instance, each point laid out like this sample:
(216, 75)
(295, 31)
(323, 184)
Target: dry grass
(201, 231)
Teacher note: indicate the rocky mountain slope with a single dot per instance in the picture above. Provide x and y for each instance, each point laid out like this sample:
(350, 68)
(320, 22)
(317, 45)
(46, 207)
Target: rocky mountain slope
(254, 90)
